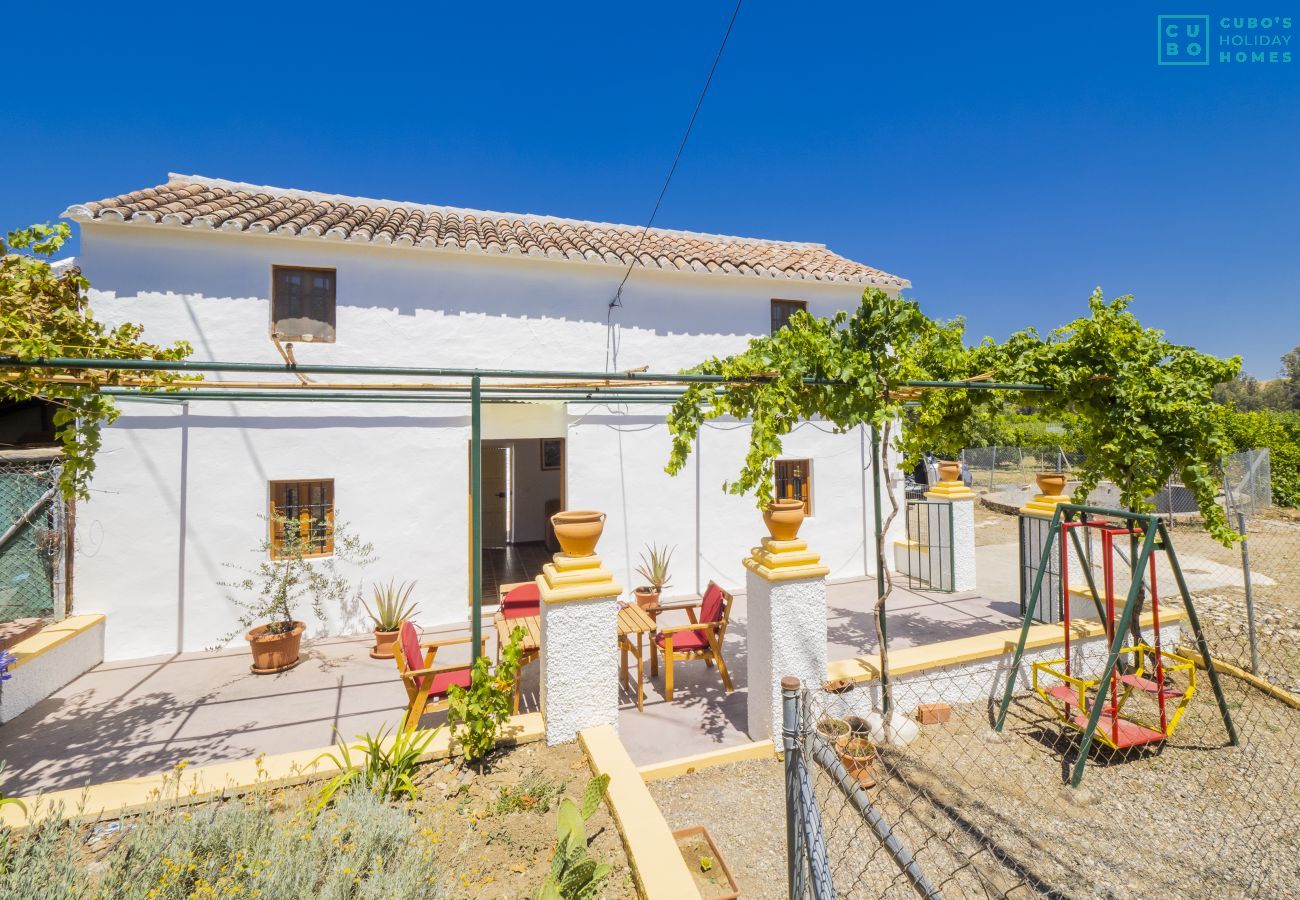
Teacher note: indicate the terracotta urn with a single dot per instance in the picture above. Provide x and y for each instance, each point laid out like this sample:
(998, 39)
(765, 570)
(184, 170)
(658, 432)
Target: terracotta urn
(385, 641)
(783, 518)
(1051, 484)
(275, 652)
(578, 530)
(949, 470)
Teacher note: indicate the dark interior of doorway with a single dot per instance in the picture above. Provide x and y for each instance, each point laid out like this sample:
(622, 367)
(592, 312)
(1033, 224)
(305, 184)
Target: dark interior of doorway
(536, 492)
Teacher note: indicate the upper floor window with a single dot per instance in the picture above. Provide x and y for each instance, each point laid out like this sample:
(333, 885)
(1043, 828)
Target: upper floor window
(302, 303)
(794, 481)
(782, 310)
(302, 518)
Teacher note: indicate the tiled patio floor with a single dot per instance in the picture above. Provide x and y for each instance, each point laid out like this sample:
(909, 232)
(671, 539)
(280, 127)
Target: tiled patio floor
(139, 717)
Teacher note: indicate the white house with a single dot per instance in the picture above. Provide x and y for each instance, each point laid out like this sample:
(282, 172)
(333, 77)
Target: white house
(180, 487)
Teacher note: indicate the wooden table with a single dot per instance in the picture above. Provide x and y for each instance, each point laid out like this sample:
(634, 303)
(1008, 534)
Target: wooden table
(632, 621)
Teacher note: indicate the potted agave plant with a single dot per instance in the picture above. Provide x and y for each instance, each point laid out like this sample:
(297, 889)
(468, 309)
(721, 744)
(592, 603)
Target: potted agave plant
(654, 569)
(393, 606)
(298, 565)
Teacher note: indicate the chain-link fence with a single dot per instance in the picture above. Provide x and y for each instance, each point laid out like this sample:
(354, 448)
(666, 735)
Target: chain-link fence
(1247, 476)
(994, 468)
(934, 800)
(33, 543)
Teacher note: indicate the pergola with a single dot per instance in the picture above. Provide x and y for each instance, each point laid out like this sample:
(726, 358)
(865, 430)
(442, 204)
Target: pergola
(451, 386)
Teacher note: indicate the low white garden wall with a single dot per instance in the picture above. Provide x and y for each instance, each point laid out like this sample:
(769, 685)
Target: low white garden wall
(50, 659)
(977, 680)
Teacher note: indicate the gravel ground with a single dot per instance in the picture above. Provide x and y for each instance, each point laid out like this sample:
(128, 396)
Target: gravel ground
(990, 817)
(743, 806)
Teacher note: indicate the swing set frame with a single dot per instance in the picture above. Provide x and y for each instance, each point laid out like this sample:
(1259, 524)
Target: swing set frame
(1150, 533)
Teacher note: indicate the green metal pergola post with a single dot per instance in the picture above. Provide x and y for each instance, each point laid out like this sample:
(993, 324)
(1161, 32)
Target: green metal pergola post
(476, 515)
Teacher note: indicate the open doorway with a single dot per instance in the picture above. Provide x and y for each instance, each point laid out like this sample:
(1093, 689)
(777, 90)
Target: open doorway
(523, 486)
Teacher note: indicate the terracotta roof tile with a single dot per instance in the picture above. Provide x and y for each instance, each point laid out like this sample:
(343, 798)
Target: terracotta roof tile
(196, 202)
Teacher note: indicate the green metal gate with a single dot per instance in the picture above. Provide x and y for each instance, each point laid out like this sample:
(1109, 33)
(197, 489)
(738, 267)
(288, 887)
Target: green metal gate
(32, 520)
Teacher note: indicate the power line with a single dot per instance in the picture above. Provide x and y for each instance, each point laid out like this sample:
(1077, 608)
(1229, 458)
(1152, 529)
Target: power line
(617, 301)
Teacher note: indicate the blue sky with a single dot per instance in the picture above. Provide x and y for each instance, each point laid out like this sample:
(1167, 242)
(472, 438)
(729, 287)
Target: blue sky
(1006, 162)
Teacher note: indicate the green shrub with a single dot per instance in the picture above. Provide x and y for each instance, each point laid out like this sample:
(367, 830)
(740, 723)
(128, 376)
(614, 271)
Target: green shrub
(387, 770)
(475, 715)
(360, 848)
(1280, 433)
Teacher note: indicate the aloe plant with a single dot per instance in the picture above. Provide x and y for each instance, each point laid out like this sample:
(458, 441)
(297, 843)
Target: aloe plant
(389, 771)
(654, 565)
(393, 605)
(574, 874)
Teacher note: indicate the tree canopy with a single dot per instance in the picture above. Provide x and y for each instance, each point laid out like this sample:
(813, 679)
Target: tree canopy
(1140, 405)
(45, 312)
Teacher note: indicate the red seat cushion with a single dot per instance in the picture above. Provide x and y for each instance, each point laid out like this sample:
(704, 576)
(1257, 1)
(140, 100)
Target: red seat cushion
(711, 605)
(525, 600)
(686, 640)
(444, 680)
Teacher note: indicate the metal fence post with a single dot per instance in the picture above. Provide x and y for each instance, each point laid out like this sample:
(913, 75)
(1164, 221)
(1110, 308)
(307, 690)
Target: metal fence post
(790, 740)
(1250, 594)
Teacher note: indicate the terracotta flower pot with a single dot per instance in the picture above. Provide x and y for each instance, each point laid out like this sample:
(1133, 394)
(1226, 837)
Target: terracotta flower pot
(385, 641)
(857, 754)
(949, 470)
(783, 518)
(834, 730)
(578, 530)
(1052, 484)
(646, 597)
(274, 652)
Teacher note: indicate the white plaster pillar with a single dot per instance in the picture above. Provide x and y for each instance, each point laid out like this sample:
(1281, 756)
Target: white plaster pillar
(956, 531)
(785, 603)
(579, 646)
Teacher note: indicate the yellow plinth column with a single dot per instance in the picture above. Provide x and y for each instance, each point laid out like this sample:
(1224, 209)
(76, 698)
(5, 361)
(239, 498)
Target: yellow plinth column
(785, 561)
(1044, 505)
(950, 490)
(567, 578)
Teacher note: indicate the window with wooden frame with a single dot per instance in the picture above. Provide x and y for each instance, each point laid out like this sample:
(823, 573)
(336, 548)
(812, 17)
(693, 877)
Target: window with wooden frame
(794, 481)
(302, 517)
(302, 303)
(782, 310)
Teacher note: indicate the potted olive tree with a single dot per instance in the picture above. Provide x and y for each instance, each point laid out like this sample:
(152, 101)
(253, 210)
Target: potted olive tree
(654, 569)
(293, 570)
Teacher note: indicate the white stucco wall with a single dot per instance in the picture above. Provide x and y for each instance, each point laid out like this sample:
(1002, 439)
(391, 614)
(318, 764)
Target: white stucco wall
(786, 635)
(178, 489)
(579, 666)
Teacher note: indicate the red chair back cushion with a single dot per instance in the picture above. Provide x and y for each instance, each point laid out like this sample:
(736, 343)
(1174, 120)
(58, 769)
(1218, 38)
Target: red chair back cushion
(711, 605)
(525, 600)
(410, 640)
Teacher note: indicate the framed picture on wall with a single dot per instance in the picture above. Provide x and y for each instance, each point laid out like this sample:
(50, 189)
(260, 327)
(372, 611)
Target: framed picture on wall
(552, 453)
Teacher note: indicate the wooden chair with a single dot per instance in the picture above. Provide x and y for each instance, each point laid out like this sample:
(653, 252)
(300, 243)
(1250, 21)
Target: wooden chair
(702, 639)
(427, 684)
(518, 600)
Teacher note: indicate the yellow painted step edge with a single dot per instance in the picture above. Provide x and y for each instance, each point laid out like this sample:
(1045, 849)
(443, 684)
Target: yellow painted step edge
(187, 784)
(657, 864)
(52, 636)
(685, 765)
